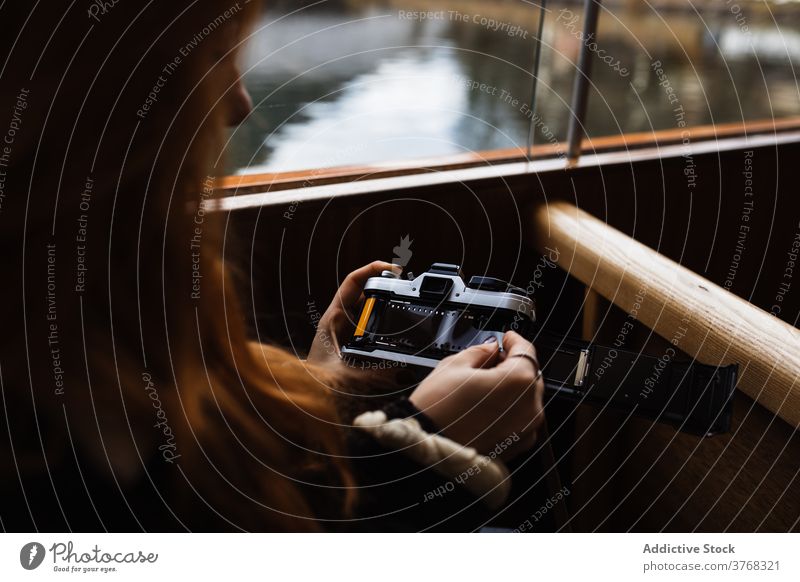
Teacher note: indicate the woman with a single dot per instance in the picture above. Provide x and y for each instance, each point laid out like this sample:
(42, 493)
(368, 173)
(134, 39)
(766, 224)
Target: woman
(132, 396)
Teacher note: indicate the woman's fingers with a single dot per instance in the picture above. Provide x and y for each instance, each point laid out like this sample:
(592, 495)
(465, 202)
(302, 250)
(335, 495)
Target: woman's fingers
(517, 346)
(480, 356)
(353, 285)
(519, 357)
(337, 319)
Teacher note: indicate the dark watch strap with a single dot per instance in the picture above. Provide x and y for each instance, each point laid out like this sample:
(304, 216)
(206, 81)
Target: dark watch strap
(403, 408)
(696, 398)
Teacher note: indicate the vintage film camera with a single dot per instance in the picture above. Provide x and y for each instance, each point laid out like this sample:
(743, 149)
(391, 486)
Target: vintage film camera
(416, 323)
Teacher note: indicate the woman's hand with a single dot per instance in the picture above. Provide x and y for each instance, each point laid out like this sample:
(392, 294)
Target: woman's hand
(338, 321)
(480, 397)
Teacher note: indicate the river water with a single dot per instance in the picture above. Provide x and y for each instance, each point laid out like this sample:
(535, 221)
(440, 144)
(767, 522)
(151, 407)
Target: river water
(378, 83)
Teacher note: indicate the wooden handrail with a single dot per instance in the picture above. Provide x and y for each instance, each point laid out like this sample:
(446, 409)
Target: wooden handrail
(699, 317)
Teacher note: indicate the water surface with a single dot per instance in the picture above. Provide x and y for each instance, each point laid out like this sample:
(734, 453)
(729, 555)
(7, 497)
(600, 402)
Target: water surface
(362, 82)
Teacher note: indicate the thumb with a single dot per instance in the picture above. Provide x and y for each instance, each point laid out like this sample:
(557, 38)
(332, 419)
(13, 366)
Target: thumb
(479, 356)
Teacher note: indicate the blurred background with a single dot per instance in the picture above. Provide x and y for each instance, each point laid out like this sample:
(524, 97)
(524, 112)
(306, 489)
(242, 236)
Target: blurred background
(352, 82)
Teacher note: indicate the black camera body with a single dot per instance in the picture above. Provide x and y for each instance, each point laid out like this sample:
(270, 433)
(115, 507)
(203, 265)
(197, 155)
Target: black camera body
(416, 323)
(422, 321)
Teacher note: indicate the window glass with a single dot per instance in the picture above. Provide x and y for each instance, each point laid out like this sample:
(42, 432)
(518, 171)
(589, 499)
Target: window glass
(692, 63)
(367, 82)
(361, 82)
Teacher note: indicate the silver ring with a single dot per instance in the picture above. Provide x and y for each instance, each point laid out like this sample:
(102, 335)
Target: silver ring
(532, 360)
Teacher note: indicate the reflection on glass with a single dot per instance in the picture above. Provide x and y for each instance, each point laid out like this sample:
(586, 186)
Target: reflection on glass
(374, 82)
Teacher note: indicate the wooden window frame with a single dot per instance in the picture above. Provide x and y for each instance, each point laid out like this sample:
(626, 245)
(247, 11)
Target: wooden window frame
(252, 190)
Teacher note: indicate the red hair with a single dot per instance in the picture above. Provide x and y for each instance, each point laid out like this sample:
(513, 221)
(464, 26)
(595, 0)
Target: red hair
(118, 141)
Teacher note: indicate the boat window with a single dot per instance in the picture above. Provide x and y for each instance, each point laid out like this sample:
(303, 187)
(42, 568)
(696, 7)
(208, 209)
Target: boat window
(388, 84)
(700, 63)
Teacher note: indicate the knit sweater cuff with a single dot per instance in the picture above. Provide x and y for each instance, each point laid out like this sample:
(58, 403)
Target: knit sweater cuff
(484, 477)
